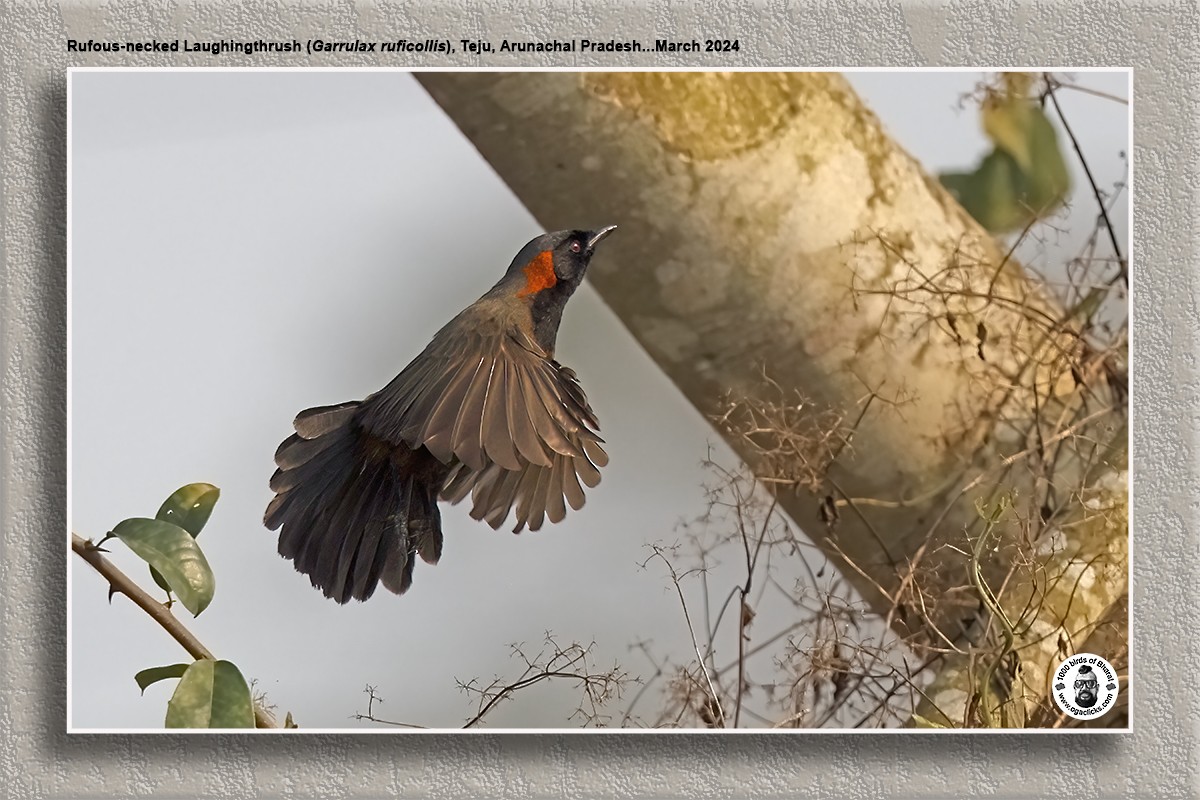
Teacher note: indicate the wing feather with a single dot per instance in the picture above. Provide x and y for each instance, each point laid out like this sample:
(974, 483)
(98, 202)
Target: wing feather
(556, 510)
(493, 506)
(448, 408)
(552, 421)
(595, 452)
(524, 493)
(520, 424)
(547, 417)
(494, 428)
(466, 440)
(539, 498)
(513, 424)
(571, 488)
(587, 472)
(433, 396)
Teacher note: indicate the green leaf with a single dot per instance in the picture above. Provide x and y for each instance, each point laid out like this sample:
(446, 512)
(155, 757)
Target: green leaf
(161, 581)
(189, 507)
(1048, 180)
(156, 674)
(172, 551)
(923, 722)
(1025, 177)
(991, 194)
(211, 694)
(1006, 122)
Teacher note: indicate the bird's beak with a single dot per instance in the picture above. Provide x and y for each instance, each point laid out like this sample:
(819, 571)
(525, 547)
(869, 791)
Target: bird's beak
(600, 234)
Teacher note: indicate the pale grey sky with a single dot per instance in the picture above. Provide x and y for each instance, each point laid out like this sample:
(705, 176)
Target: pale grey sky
(248, 244)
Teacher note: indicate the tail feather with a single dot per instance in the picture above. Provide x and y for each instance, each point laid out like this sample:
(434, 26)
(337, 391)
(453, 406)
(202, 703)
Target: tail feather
(398, 564)
(351, 514)
(314, 422)
(296, 451)
(425, 526)
(362, 537)
(397, 571)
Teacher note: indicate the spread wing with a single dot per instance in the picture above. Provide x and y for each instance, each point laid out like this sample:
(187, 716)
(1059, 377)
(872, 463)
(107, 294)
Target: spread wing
(513, 424)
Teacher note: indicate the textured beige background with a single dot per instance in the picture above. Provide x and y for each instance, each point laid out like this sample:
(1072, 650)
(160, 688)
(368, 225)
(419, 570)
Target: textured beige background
(1160, 760)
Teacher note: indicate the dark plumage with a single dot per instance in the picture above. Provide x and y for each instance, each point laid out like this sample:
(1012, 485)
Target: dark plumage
(484, 410)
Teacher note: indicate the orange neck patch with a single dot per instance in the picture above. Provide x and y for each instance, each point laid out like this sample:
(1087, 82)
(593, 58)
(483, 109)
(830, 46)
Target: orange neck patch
(539, 274)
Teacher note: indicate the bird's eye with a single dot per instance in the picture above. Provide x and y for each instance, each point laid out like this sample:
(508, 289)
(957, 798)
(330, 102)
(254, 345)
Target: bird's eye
(576, 247)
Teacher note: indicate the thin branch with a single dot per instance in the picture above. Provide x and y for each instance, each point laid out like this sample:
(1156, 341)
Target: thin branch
(372, 699)
(1094, 92)
(712, 690)
(659, 669)
(554, 661)
(1051, 84)
(744, 612)
(120, 582)
(522, 684)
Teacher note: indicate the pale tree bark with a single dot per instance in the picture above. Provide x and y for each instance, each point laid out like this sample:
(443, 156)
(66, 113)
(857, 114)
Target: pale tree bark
(769, 226)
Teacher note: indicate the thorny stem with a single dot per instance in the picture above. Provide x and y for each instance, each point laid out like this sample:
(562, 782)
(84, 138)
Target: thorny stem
(118, 581)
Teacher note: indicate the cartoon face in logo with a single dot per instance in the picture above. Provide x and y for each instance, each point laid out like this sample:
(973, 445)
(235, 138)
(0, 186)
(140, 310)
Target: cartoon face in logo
(1087, 687)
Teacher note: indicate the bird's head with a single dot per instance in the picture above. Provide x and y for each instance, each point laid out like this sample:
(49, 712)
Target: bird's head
(554, 261)
(545, 274)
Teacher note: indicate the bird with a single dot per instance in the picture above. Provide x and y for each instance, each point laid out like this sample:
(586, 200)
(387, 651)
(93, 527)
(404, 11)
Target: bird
(484, 410)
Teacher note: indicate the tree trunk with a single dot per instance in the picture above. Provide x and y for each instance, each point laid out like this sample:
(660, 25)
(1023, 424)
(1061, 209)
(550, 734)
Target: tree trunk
(770, 229)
